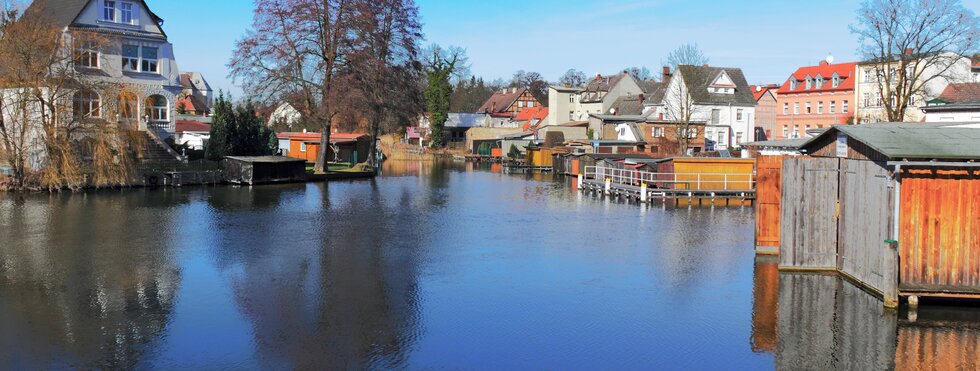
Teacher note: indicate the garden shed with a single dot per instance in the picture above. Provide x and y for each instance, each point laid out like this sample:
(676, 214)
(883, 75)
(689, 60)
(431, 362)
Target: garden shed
(263, 169)
(893, 207)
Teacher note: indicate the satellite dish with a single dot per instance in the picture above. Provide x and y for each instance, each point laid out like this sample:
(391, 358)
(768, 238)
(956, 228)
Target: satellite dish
(830, 59)
(612, 111)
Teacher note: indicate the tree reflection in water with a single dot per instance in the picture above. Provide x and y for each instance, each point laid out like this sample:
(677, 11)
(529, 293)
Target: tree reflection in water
(824, 322)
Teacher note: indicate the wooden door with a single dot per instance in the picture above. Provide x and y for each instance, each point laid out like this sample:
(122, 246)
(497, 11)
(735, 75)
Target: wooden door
(769, 181)
(867, 212)
(808, 218)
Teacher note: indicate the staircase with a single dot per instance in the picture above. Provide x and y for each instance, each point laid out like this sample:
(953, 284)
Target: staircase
(152, 151)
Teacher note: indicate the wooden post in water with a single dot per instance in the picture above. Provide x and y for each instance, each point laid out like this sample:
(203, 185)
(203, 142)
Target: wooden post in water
(580, 179)
(643, 193)
(608, 185)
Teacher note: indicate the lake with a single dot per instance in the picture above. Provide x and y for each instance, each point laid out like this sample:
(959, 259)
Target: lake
(430, 266)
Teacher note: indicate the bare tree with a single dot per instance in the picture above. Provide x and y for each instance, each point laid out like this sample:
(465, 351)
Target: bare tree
(679, 105)
(913, 43)
(297, 49)
(385, 63)
(573, 77)
(534, 82)
(639, 73)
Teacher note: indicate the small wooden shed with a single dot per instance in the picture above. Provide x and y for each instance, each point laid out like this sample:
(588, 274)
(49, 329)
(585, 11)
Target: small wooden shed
(769, 157)
(541, 156)
(893, 207)
(263, 169)
(706, 173)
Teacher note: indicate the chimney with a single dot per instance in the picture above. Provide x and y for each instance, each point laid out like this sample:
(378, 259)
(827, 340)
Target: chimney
(824, 63)
(598, 76)
(641, 98)
(706, 65)
(493, 107)
(666, 72)
(513, 90)
(908, 51)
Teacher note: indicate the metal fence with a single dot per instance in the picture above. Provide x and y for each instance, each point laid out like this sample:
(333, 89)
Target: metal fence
(691, 181)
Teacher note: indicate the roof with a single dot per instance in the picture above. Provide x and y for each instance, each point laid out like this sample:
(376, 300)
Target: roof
(628, 105)
(912, 140)
(961, 93)
(500, 101)
(699, 78)
(192, 126)
(650, 86)
(574, 124)
(264, 159)
(785, 143)
(636, 118)
(64, 12)
(759, 91)
(600, 84)
(192, 103)
(316, 136)
(846, 71)
(532, 113)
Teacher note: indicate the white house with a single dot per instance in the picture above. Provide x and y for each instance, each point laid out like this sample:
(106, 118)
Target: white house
(194, 134)
(958, 103)
(138, 56)
(285, 113)
(568, 104)
(945, 69)
(719, 96)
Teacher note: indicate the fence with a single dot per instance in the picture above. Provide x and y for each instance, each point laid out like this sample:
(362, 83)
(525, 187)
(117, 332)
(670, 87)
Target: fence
(685, 181)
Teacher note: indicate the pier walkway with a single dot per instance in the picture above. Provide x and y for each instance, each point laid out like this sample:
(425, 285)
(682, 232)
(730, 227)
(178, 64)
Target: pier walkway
(645, 187)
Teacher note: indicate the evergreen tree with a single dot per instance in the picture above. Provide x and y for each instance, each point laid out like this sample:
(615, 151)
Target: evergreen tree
(217, 147)
(238, 131)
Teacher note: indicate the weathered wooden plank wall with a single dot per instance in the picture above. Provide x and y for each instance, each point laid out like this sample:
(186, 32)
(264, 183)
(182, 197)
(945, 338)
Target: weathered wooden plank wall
(940, 230)
(808, 219)
(867, 213)
(769, 170)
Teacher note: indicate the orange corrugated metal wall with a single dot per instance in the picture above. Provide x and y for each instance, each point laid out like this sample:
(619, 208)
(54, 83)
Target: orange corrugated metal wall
(940, 230)
(769, 170)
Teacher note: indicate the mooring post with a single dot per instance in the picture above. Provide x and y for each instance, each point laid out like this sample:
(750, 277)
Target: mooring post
(608, 185)
(643, 193)
(580, 179)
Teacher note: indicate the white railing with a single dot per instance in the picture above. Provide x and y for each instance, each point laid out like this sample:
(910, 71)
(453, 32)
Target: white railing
(688, 181)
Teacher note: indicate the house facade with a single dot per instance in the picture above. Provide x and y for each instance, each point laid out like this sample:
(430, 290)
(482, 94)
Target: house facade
(507, 103)
(815, 97)
(717, 96)
(197, 97)
(765, 109)
(567, 104)
(958, 103)
(953, 68)
(135, 56)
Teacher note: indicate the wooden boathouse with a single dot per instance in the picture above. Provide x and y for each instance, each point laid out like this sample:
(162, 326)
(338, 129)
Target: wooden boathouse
(263, 169)
(892, 207)
(769, 157)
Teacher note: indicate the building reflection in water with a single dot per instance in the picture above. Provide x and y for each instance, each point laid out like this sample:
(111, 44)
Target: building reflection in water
(344, 296)
(78, 288)
(824, 322)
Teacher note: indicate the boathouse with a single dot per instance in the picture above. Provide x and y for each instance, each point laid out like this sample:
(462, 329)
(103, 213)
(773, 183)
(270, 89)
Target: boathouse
(263, 169)
(892, 207)
(769, 157)
(706, 173)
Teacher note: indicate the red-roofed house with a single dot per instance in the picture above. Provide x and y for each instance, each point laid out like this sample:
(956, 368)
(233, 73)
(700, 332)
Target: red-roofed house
(957, 103)
(765, 109)
(507, 103)
(815, 97)
(345, 147)
(194, 134)
(531, 117)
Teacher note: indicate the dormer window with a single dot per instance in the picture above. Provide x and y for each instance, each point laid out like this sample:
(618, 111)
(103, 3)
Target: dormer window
(836, 81)
(793, 84)
(819, 82)
(809, 83)
(109, 10)
(123, 12)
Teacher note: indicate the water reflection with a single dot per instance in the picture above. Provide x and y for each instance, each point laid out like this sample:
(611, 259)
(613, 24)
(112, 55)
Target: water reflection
(91, 294)
(823, 322)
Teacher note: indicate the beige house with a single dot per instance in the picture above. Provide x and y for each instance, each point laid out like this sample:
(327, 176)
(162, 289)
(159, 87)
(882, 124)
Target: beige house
(870, 103)
(567, 104)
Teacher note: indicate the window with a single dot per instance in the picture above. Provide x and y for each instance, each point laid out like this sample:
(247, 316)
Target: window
(571, 99)
(109, 10)
(520, 104)
(785, 108)
(157, 110)
(796, 108)
(866, 100)
(869, 75)
(793, 84)
(530, 104)
(128, 108)
(819, 107)
(136, 58)
(738, 115)
(819, 82)
(86, 103)
(87, 55)
(836, 81)
(738, 138)
(130, 57)
(127, 13)
(149, 62)
(843, 107)
(809, 83)
(657, 132)
(302, 146)
(833, 106)
(809, 108)
(785, 130)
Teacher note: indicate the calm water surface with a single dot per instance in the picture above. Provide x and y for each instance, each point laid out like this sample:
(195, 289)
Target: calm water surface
(430, 266)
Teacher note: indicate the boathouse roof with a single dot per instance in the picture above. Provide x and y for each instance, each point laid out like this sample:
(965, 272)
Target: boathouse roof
(895, 141)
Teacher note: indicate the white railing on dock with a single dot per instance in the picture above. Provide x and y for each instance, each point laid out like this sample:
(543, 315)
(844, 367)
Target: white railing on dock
(685, 181)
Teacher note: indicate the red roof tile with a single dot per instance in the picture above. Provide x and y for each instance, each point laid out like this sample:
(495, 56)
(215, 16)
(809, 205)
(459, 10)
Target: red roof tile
(532, 113)
(499, 102)
(961, 93)
(192, 103)
(193, 126)
(846, 71)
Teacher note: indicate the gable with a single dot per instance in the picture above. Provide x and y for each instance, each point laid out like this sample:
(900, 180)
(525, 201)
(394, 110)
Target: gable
(723, 80)
(142, 20)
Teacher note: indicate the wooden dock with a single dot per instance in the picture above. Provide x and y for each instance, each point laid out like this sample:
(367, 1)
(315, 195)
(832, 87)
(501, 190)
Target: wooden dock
(645, 187)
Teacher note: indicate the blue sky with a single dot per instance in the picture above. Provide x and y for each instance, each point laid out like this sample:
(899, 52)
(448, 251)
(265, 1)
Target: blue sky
(768, 39)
